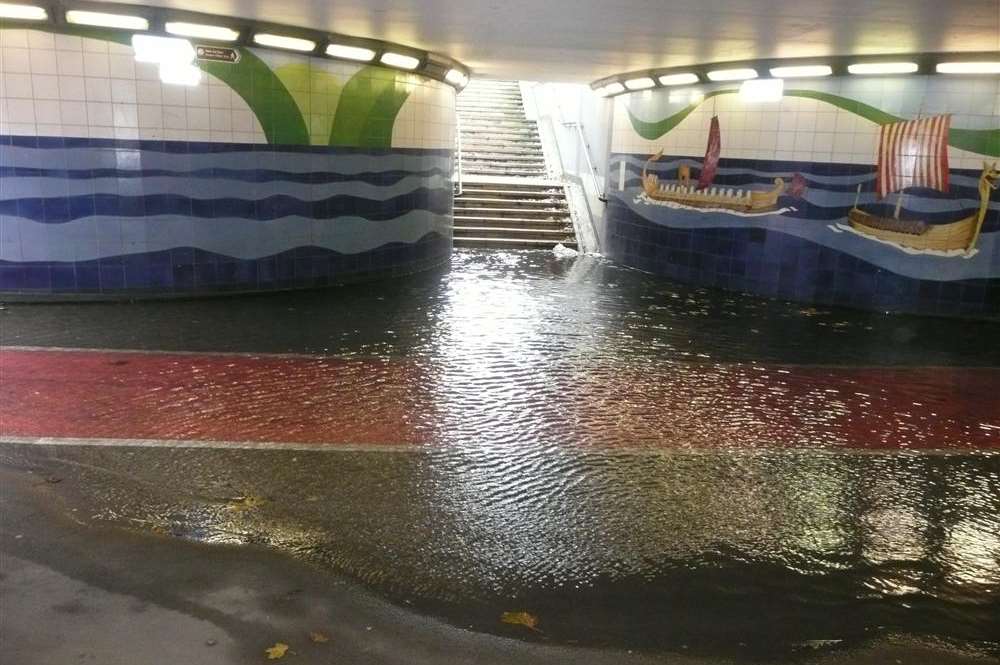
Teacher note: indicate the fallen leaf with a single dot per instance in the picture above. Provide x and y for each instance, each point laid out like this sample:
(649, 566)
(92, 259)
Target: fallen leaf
(319, 637)
(277, 651)
(529, 621)
(248, 502)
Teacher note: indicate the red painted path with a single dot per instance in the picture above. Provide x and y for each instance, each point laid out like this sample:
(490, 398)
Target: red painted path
(308, 400)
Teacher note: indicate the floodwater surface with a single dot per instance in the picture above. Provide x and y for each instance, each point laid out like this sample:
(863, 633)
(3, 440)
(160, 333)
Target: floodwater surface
(639, 464)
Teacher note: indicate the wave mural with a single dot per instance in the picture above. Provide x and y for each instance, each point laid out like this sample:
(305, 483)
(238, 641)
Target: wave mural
(897, 228)
(277, 171)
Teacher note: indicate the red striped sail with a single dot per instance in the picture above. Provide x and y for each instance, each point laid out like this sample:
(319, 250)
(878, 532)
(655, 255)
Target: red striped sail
(913, 153)
(712, 150)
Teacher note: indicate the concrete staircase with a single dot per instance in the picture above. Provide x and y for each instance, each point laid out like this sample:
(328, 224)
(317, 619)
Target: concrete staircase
(507, 200)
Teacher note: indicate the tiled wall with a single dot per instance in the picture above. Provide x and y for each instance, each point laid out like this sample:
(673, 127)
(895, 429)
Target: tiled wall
(281, 171)
(821, 139)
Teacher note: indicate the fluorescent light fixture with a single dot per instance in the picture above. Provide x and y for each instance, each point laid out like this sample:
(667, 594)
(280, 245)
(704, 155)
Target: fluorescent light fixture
(280, 41)
(613, 89)
(100, 19)
(801, 71)
(457, 77)
(643, 83)
(350, 52)
(678, 79)
(882, 68)
(762, 90)
(176, 73)
(399, 60)
(23, 12)
(732, 74)
(162, 49)
(201, 31)
(968, 68)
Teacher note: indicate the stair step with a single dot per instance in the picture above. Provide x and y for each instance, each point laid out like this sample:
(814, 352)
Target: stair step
(495, 191)
(507, 222)
(511, 243)
(533, 203)
(515, 213)
(506, 232)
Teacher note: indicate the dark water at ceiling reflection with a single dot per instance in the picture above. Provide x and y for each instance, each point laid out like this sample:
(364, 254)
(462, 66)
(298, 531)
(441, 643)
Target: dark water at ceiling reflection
(750, 535)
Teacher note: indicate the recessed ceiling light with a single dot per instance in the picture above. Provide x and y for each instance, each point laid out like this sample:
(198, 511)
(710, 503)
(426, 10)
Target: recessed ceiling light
(801, 71)
(162, 49)
(678, 79)
(350, 52)
(23, 12)
(281, 41)
(201, 31)
(175, 73)
(883, 68)
(399, 60)
(969, 68)
(732, 74)
(762, 90)
(642, 83)
(100, 19)
(613, 89)
(457, 77)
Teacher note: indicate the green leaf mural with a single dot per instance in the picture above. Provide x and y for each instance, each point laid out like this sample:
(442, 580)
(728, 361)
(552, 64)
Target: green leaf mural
(266, 96)
(369, 104)
(981, 141)
(317, 94)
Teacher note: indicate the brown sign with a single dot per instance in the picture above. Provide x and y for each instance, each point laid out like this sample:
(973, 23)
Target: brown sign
(217, 53)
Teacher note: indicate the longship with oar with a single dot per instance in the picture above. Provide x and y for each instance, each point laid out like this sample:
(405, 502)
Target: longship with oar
(913, 154)
(702, 194)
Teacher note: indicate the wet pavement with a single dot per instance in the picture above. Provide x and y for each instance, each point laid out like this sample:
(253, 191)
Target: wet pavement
(642, 466)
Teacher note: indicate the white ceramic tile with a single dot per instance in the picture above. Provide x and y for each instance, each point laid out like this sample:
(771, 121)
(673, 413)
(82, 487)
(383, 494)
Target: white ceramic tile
(122, 66)
(45, 86)
(38, 39)
(150, 116)
(47, 111)
(19, 111)
(197, 96)
(126, 115)
(198, 118)
(69, 63)
(68, 43)
(72, 87)
(17, 86)
(96, 65)
(149, 92)
(98, 89)
(94, 45)
(43, 62)
(73, 112)
(175, 117)
(123, 91)
(16, 60)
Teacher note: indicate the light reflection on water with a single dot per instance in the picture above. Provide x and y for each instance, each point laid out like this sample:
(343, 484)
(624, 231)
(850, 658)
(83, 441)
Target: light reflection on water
(636, 462)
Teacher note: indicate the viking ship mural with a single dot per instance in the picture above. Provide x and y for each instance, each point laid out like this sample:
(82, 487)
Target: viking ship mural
(914, 153)
(701, 194)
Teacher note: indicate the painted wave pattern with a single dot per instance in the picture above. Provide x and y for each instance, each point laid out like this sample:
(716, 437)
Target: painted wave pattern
(62, 203)
(829, 195)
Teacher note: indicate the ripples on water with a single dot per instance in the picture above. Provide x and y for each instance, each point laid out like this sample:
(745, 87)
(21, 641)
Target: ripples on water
(629, 459)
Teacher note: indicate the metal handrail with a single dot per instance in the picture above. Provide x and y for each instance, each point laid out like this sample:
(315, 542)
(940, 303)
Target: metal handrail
(458, 138)
(590, 163)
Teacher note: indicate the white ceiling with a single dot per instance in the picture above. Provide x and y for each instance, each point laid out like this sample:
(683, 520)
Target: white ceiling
(582, 40)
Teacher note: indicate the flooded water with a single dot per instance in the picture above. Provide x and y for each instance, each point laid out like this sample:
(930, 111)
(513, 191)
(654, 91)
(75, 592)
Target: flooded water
(641, 465)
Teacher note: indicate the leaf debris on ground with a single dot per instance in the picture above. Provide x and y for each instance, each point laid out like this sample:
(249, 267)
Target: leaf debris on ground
(319, 637)
(277, 651)
(529, 621)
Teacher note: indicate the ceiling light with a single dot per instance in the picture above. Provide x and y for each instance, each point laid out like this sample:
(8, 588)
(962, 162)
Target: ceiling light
(883, 68)
(201, 31)
(613, 89)
(801, 71)
(280, 41)
(642, 83)
(732, 74)
(968, 68)
(457, 77)
(678, 79)
(399, 60)
(103, 20)
(162, 49)
(762, 90)
(175, 73)
(23, 12)
(350, 52)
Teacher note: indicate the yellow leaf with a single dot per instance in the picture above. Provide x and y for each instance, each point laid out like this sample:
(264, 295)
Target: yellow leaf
(525, 619)
(277, 651)
(319, 637)
(248, 502)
